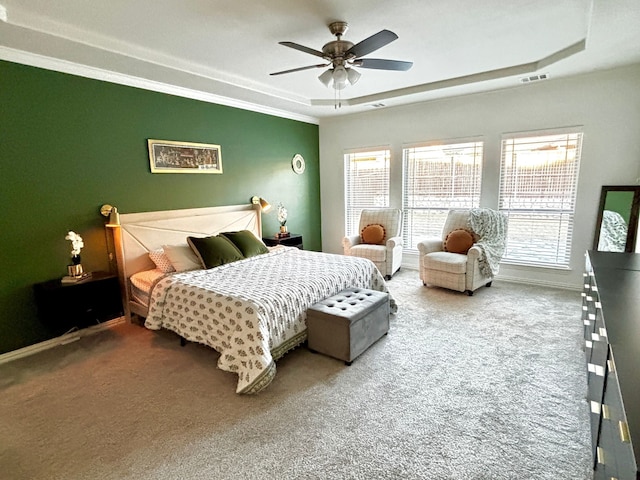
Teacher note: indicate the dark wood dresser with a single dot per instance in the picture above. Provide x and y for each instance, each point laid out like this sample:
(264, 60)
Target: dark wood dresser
(611, 318)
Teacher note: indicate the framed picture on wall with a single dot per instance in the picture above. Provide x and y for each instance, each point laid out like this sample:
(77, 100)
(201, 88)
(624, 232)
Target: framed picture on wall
(167, 156)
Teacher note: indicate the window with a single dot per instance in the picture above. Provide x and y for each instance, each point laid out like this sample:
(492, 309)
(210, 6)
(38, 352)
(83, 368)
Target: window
(438, 178)
(538, 180)
(366, 176)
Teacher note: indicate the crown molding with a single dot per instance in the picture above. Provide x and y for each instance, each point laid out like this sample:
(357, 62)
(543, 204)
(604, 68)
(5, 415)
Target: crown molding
(496, 74)
(64, 66)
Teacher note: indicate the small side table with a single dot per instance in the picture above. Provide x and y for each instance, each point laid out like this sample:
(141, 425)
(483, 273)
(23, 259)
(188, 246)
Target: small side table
(63, 306)
(293, 240)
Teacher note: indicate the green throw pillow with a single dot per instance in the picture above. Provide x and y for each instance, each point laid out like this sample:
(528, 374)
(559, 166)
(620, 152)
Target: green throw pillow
(246, 242)
(214, 251)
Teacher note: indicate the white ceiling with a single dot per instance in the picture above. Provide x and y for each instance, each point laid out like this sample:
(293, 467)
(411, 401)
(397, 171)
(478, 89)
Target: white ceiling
(221, 50)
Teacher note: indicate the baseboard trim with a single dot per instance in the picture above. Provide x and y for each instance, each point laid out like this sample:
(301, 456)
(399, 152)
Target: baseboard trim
(540, 283)
(61, 340)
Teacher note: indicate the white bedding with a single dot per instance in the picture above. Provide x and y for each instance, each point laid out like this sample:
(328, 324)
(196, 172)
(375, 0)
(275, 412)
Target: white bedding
(254, 310)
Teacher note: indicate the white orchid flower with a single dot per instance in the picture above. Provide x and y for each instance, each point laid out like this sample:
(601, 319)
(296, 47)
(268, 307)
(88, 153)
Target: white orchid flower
(282, 214)
(76, 242)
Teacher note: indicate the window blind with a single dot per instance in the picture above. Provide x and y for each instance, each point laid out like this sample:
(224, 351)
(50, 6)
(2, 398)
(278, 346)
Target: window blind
(366, 184)
(538, 185)
(438, 178)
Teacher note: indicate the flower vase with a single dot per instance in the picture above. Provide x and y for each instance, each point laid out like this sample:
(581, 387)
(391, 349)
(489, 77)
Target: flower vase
(75, 269)
(283, 229)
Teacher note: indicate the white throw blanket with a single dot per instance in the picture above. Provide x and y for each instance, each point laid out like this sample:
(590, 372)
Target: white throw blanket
(491, 227)
(613, 232)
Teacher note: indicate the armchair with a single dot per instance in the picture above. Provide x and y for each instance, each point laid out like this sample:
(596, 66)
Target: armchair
(476, 241)
(383, 245)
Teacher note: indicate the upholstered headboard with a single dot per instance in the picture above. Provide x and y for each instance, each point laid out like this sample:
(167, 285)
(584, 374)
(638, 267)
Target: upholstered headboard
(139, 233)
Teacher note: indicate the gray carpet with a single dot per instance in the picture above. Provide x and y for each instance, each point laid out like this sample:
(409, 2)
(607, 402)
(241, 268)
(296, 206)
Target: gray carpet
(484, 387)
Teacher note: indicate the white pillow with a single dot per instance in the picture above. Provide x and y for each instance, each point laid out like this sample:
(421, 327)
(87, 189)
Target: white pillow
(161, 260)
(144, 280)
(182, 257)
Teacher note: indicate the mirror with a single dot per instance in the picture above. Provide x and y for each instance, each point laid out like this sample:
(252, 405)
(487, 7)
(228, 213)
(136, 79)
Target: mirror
(617, 224)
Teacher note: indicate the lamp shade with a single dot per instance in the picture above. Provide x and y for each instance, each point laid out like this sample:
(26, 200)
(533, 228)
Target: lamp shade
(339, 77)
(353, 75)
(264, 205)
(114, 218)
(326, 77)
(112, 213)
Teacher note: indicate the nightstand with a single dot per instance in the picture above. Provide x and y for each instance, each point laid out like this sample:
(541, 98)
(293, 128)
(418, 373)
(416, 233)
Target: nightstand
(293, 240)
(61, 307)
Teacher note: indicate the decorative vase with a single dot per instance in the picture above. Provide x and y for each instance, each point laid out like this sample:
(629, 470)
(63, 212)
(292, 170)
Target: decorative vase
(283, 229)
(75, 269)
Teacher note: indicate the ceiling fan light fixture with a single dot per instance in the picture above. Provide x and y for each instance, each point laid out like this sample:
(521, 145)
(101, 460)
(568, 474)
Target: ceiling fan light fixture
(353, 76)
(339, 85)
(326, 77)
(339, 75)
(338, 78)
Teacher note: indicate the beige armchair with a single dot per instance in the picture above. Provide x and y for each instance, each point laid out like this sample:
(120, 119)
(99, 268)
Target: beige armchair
(475, 249)
(383, 245)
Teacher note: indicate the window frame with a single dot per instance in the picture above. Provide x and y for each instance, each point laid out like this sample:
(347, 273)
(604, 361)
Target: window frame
(564, 216)
(410, 238)
(352, 212)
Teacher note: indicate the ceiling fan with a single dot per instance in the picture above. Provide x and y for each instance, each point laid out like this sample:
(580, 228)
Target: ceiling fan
(343, 55)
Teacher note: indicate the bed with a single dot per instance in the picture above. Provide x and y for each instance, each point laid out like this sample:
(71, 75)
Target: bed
(253, 310)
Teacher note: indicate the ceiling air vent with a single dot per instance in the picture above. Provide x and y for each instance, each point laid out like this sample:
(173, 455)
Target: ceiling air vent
(534, 78)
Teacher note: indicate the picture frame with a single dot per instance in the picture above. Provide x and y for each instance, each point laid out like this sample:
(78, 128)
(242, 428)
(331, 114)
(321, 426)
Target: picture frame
(167, 156)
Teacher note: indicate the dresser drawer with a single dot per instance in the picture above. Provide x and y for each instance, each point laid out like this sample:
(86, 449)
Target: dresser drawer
(614, 420)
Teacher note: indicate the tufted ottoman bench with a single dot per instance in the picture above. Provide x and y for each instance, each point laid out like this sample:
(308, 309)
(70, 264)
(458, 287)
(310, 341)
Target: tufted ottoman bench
(346, 324)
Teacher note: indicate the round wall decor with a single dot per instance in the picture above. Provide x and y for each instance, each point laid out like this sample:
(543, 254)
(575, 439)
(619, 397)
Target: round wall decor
(297, 163)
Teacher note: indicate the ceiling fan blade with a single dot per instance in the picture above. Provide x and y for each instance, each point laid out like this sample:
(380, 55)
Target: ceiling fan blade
(300, 69)
(371, 44)
(380, 64)
(302, 48)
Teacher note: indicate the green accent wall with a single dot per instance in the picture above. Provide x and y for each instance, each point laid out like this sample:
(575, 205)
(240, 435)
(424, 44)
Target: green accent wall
(69, 144)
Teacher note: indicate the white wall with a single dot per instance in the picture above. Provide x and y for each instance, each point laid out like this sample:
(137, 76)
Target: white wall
(606, 104)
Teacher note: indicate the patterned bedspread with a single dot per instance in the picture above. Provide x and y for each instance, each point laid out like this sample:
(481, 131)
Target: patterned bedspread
(254, 310)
